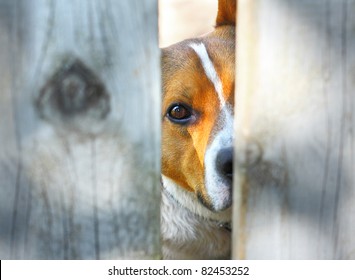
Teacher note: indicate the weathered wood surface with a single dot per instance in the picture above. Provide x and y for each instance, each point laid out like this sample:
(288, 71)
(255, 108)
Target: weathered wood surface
(79, 129)
(295, 122)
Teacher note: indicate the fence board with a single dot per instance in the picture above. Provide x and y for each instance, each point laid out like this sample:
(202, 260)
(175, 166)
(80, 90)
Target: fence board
(295, 188)
(79, 129)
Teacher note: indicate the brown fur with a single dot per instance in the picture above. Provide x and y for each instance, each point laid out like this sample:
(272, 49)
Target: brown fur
(189, 229)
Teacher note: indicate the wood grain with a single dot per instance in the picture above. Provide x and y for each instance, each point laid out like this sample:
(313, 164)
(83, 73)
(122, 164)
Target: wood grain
(79, 129)
(295, 100)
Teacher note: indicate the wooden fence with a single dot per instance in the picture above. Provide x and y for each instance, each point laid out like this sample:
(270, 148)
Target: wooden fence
(295, 123)
(80, 130)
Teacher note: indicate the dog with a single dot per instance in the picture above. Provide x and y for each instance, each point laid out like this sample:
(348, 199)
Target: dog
(198, 78)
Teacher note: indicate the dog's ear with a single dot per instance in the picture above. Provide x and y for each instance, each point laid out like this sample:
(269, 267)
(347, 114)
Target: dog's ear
(227, 10)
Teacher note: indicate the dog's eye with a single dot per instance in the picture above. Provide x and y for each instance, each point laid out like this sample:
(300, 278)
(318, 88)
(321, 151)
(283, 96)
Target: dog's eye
(179, 113)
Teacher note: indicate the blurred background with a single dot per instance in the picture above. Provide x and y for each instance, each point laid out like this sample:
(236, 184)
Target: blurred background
(182, 19)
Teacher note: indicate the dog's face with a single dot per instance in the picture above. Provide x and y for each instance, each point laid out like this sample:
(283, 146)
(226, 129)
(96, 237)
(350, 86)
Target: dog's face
(198, 109)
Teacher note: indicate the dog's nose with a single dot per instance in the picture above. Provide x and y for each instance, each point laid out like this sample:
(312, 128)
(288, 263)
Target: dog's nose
(225, 163)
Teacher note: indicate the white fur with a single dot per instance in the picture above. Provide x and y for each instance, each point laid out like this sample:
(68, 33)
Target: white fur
(190, 231)
(210, 71)
(188, 200)
(216, 188)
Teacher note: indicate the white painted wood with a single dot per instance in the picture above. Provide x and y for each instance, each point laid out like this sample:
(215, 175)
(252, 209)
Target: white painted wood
(295, 123)
(79, 168)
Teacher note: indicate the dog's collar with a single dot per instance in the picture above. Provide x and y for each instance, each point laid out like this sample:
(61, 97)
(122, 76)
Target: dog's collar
(172, 191)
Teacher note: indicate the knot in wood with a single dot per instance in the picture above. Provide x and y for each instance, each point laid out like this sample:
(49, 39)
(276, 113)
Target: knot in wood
(248, 153)
(73, 94)
(74, 90)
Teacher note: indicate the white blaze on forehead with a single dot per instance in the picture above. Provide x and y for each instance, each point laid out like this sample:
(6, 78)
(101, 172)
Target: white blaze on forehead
(210, 71)
(218, 191)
